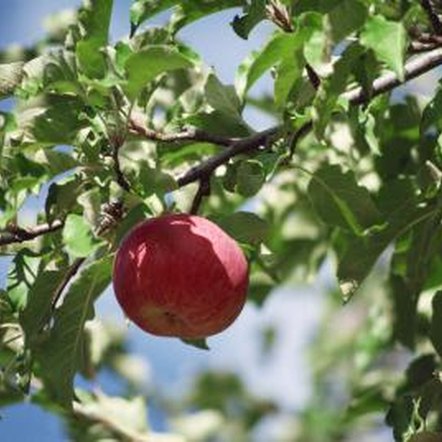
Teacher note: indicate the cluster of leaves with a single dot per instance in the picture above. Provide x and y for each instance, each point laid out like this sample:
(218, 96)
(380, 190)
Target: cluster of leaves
(107, 134)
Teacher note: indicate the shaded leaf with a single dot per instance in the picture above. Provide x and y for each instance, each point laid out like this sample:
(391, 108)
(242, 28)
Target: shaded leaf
(332, 87)
(37, 311)
(62, 196)
(59, 355)
(250, 177)
(404, 313)
(347, 17)
(253, 13)
(245, 227)
(340, 201)
(436, 323)
(360, 254)
(198, 343)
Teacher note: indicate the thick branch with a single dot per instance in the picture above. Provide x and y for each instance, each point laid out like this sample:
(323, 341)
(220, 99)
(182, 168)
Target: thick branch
(432, 16)
(357, 96)
(414, 68)
(243, 145)
(17, 234)
(203, 190)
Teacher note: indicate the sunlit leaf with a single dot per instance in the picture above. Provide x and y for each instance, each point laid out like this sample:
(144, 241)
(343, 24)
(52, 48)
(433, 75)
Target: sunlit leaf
(388, 40)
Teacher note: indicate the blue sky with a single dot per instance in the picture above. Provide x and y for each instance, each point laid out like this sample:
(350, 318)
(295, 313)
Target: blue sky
(171, 364)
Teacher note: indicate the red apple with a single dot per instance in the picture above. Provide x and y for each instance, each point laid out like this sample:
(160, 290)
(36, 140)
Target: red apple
(180, 275)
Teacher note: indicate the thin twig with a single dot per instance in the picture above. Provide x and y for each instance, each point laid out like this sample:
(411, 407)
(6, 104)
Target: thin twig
(313, 76)
(71, 272)
(191, 134)
(115, 143)
(300, 133)
(15, 234)
(203, 190)
(432, 16)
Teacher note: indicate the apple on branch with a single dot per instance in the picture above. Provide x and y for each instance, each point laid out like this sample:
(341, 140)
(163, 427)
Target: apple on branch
(180, 275)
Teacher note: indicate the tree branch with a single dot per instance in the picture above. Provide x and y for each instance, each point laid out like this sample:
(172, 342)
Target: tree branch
(205, 169)
(357, 96)
(191, 134)
(313, 76)
(203, 190)
(15, 234)
(115, 143)
(432, 16)
(70, 273)
(387, 82)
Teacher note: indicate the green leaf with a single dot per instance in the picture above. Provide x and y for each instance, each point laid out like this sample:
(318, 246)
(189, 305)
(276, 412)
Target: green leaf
(245, 227)
(136, 215)
(190, 11)
(222, 98)
(436, 323)
(245, 177)
(95, 21)
(388, 40)
(250, 177)
(58, 162)
(288, 75)
(155, 181)
(57, 120)
(62, 196)
(198, 343)
(77, 236)
(144, 66)
(142, 10)
(340, 201)
(400, 416)
(11, 75)
(37, 312)
(346, 17)
(218, 123)
(361, 254)
(332, 87)
(253, 13)
(404, 312)
(59, 355)
(184, 12)
(258, 63)
(91, 203)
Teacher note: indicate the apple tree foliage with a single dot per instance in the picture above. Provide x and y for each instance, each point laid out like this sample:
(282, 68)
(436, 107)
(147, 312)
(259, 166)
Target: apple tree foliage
(350, 175)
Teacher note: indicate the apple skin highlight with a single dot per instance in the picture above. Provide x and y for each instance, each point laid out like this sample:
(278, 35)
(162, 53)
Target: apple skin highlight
(180, 275)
